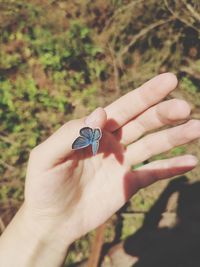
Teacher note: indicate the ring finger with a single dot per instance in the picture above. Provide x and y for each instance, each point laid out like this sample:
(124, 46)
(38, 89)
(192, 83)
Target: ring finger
(164, 113)
(162, 141)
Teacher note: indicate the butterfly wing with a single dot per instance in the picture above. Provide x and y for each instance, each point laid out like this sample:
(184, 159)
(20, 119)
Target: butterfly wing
(97, 134)
(87, 132)
(80, 142)
(95, 146)
(88, 136)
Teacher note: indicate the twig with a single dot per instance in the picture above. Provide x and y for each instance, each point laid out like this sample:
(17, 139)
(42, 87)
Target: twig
(142, 33)
(180, 18)
(195, 14)
(116, 72)
(191, 72)
(6, 165)
(120, 10)
(97, 246)
(6, 139)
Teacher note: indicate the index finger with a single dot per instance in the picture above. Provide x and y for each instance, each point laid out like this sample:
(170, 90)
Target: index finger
(135, 102)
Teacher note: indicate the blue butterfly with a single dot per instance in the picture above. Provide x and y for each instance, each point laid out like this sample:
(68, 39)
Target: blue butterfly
(88, 136)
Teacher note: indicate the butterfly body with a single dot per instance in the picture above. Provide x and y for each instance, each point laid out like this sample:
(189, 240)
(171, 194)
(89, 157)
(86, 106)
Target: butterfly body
(88, 136)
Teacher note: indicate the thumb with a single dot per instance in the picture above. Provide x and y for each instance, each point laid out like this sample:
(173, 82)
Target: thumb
(59, 145)
(96, 119)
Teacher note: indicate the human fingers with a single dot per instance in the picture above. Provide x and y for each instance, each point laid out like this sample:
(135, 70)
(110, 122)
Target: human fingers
(162, 141)
(59, 145)
(138, 100)
(157, 170)
(164, 113)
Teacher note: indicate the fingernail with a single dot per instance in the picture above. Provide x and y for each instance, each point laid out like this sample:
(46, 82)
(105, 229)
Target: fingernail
(92, 118)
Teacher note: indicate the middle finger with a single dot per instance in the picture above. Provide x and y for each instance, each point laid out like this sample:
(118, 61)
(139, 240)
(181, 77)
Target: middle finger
(165, 113)
(137, 101)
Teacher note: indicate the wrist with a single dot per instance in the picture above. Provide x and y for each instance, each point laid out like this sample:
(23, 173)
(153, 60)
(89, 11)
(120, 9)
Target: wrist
(42, 227)
(32, 242)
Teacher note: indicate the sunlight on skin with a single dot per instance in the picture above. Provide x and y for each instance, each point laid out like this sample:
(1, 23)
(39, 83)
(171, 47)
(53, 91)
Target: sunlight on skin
(71, 192)
(86, 183)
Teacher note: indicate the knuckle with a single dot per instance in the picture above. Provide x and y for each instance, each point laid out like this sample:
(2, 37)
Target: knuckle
(149, 146)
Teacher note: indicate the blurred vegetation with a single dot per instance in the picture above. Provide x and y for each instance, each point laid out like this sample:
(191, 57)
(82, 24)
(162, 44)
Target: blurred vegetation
(61, 59)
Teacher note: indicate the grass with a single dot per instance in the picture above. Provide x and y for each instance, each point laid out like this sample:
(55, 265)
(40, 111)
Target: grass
(61, 59)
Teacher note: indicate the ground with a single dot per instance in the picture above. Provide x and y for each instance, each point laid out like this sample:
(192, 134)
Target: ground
(60, 60)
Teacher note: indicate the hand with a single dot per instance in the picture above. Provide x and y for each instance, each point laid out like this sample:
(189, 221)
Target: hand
(74, 192)
(69, 193)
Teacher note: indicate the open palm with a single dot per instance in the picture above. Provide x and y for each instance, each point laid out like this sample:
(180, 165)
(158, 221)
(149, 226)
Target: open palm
(78, 191)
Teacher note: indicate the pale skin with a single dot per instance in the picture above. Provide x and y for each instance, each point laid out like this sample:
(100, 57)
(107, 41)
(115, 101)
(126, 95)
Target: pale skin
(68, 193)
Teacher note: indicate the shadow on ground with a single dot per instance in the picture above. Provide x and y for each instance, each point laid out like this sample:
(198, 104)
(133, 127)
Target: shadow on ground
(161, 241)
(169, 236)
